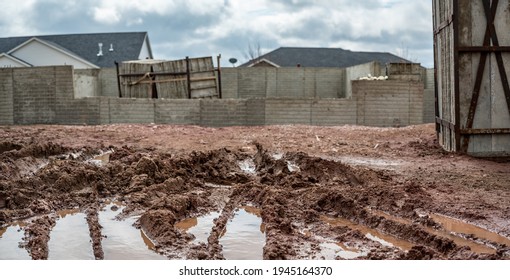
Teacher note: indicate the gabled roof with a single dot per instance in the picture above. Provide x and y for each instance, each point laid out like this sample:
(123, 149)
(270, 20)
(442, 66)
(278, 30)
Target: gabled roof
(54, 47)
(324, 57)
(17, 60)
(126, 45)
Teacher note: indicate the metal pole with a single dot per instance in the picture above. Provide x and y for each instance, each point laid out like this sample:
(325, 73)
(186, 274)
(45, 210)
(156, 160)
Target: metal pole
(118, 79)
(188, 74)
(219, 77)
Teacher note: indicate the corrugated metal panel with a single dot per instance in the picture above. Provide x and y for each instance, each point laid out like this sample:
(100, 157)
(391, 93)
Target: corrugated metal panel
(472, 51)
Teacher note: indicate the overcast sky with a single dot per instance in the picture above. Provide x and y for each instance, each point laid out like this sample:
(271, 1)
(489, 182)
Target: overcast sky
(179, 28)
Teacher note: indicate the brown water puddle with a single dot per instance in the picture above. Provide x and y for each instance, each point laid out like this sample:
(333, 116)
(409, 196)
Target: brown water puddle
(123, 241)
(101, 159)
(454, 226)
(70, 238)
(245, 237)
(458, 226)
(200, 227)
(10, 238)
(372, 234)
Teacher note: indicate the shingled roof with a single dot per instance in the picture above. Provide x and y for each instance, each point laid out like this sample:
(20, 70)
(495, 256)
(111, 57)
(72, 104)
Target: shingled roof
(126, 45)
(324, 57)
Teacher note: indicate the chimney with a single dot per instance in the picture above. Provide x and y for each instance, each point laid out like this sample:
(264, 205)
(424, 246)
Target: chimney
(100, 49)
(111, 48)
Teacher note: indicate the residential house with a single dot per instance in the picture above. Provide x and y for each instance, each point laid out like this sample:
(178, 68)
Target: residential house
(83, 51)
(321, 57)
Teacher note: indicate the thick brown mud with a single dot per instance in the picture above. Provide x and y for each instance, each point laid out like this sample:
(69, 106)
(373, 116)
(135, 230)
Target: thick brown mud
(251, 202)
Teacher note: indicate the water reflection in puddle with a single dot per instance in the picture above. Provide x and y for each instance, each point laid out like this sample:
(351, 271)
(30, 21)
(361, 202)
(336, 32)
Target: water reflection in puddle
(101, 159)
(453, 226)
(245, 237)
(372, 234)
(10, 238)
(458, 226)
(248, 166)
(331, 251)
(123, 241)
(200, 227)
(70, 238)
(376, 163)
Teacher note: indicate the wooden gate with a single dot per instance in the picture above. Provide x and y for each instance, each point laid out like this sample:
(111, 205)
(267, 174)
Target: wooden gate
(180, 79)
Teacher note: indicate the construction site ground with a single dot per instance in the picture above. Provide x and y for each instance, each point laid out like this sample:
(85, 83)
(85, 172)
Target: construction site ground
(276, 192)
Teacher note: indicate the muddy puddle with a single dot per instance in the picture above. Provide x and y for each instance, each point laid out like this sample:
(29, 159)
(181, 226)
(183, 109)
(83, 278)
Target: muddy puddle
(245, 237)
(102, 159)
(370, 233)
(452, 229)
(70, 238)
(122, 240)
(458, 226)
(375, 163)
(10, 238)
(248, 166)
(332, 251)
(200, 227)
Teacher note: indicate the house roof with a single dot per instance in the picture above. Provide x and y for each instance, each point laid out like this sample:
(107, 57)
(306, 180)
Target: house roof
(324, 57)
(15, 59)
(126, 45)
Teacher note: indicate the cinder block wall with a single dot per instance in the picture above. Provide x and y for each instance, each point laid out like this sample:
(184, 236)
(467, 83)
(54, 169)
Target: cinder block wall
(216, 112)
(429, 99)
(177, 111)
(131, 110)
(262, 82)
(6, 96)
(388, 103)
(38, 92)
(46, 95)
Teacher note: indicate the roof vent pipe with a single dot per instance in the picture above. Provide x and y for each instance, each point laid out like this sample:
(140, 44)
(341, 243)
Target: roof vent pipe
(100, 49)
(111, 48)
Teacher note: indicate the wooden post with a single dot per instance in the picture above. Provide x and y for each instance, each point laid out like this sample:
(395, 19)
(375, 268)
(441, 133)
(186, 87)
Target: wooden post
(118, 79)
(219, 77)
(188, 74)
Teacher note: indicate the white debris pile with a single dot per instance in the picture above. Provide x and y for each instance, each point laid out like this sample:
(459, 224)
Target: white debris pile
(372, 78)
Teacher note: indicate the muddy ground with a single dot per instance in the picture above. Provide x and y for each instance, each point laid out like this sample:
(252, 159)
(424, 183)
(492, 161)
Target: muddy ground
(321, 192)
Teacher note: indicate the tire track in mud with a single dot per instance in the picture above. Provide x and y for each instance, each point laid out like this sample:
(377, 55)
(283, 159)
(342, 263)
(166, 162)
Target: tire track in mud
(295, 192)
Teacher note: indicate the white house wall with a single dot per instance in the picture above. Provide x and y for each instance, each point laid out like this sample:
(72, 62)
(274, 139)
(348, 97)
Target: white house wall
(39, 54)
(6, 62)
(144, 52)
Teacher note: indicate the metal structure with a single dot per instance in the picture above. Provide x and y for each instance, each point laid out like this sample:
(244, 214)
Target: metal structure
(472, 58)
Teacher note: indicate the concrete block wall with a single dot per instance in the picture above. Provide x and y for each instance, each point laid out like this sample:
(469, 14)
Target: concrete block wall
(429, 98)
(85, 111)
(216, 112)
(262, 82)
(131, 110)
(331, 112)
(6, 96)
(251, 82)
(288, 111)
(108, 85)
(178, 111)
(256, 112)
(86, 83)
(388, 103)
(37, 92)
(229, 83)
(46, 95)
